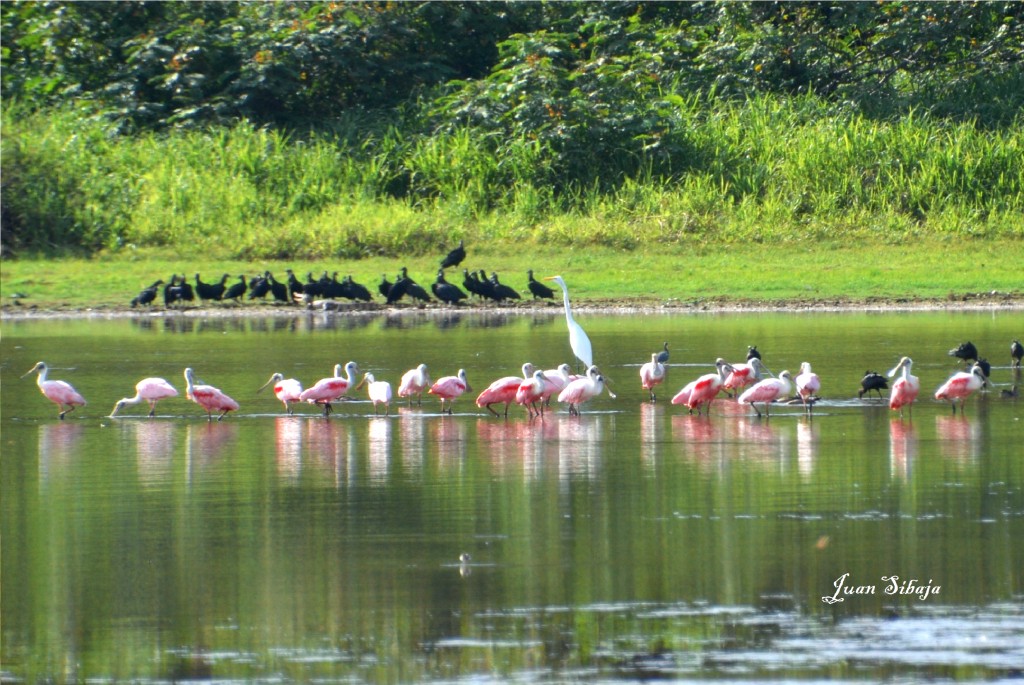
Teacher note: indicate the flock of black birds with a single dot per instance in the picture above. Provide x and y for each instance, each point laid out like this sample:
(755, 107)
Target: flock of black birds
(179, 291)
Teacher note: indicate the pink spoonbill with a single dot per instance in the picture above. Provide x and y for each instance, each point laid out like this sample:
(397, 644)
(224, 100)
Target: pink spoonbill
(450, 387)
(59, 392)
(807, 383)
(152, 390)
(532, 392)
(503, 390)
(704, 389)
(743, 375)
(582, 389)
(287, 390)
(652, 373)
(961, 385)
(767, 391)
(379, 392)
(330, 389)
(904, 390)
(208, 397)
(415, 382)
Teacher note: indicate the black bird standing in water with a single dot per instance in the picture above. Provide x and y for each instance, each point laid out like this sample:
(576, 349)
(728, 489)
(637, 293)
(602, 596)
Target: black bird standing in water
(966, 351)
(235, 290)
(537, 288)
(663, 355)
(454, 257)
(148, 295)
(872, 381)
(1016, 352)
(448, 293)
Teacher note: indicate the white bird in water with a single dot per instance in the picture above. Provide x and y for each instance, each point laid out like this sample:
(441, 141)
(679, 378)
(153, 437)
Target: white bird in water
(287, 390)
(379, 392)
(578, 340)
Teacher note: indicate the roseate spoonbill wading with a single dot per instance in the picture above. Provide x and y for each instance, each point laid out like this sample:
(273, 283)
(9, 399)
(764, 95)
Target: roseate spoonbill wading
(704, 389)
(960, 386)
(532, 392)
(287, 390)
(743, 375)
(652, 373)
(582, 389)
(578, 340)
(330, 389)
(58, 392)
(872, 380)
(807, 383)
(449, 388)
(379, 392)
(211, 399)
(767, 391)
(905, 388)
(152, 390)
(503, 390)
(414, 382)
(557, 380)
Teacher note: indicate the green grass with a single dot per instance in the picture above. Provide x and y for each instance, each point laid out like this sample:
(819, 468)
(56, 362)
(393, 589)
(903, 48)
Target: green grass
(654, 275)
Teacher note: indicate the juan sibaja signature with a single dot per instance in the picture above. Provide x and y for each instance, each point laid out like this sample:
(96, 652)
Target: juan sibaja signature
(892, 586)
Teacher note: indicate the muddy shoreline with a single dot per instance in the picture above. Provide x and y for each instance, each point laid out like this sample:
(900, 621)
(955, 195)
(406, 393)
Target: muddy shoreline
(996, 301)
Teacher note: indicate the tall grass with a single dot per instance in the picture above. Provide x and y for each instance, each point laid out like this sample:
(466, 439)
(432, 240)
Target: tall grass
(766, 170)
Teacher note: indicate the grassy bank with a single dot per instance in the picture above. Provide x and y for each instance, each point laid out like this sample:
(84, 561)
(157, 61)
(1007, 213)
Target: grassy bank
(928, 269)
(764, 171)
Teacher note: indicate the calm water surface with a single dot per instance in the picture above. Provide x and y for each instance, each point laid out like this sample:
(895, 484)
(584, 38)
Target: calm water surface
(630, 543)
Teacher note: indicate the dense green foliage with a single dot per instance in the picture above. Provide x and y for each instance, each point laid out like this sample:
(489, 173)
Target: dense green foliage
(306, 129)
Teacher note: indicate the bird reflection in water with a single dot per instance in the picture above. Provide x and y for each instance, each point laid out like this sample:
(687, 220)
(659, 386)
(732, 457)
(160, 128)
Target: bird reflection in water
(328, 449)
(806, 446)
(154, 442)
(378, 438)
(450, 439)
(902, 448)
(580, 443)
(205, 444)
(288, 446)
(58, 442)
(959, 437)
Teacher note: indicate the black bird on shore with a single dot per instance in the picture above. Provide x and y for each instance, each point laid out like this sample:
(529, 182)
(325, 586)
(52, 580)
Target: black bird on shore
(384, 287)
(502, 291)
(235, 290)
(414, 289)
(148, 295)
(295, 286)
(278, 289)
(312, 288)
(471, 283)
(211, 291)
(966, 351)
(537, 288)
(454, 257)
(663, 355)
(752, 352)
(178, 290)
(1016, 352)
(448, 293)
(872, 381)
(258, 287)
(355, 291)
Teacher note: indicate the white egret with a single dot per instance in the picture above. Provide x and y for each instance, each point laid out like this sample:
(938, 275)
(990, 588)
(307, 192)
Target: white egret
(578, 340)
